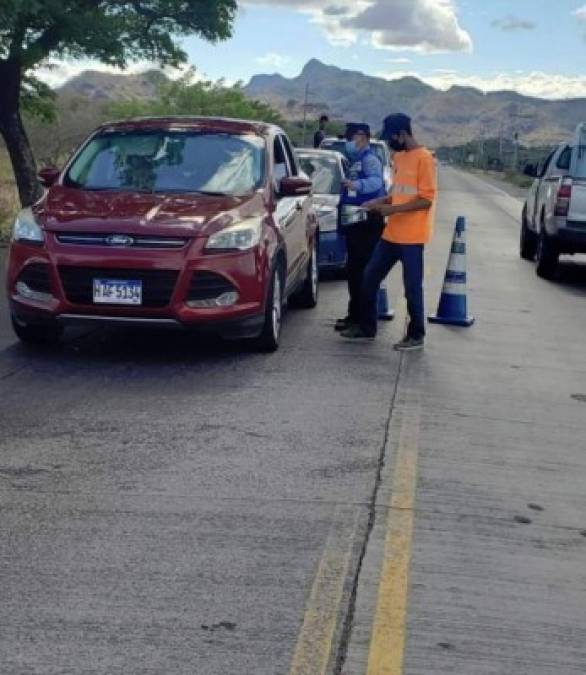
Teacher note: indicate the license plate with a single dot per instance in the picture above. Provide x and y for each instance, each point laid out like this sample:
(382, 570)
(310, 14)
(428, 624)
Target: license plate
(117, 292)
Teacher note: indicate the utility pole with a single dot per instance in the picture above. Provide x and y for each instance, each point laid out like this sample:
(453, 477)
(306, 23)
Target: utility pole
(517, 116)
(516, 151)
(305, 104)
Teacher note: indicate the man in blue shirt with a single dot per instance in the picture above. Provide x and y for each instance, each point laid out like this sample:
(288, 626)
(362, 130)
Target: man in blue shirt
(365, 182)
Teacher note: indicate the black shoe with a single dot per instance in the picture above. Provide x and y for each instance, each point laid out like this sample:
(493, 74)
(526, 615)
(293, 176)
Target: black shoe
(356, 333)
(409, 344)
(343, 324)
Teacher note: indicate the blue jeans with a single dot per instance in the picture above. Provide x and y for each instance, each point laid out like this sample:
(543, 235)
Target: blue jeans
(383, 259)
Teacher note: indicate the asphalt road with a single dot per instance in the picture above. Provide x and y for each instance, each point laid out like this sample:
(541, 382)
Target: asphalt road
(172, 506)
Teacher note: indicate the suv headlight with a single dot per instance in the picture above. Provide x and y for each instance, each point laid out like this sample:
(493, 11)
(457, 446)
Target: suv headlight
(26, 228)
(239, 237)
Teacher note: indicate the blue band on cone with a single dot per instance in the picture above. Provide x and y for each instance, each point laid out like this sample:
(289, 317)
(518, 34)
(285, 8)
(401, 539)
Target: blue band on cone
(453, 307)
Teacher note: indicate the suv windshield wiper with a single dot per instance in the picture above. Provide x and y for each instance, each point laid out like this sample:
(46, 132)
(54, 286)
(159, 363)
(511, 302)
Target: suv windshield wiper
(113, 189)
(207, 193)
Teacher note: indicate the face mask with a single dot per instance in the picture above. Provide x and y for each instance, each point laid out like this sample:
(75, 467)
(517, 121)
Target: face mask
(396, 146)
(351, 149)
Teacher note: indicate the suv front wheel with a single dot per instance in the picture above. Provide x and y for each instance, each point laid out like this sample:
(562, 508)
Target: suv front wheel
(268, 340)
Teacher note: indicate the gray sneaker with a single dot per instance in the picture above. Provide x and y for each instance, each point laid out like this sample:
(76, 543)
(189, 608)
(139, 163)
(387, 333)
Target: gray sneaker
(409, 344)
(356, 333)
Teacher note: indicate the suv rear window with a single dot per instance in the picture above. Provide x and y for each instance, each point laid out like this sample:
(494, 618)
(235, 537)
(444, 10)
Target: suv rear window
(340, 146)
(170, 161)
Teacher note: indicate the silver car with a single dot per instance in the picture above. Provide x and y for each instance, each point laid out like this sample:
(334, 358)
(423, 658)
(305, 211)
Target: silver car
(327, 169)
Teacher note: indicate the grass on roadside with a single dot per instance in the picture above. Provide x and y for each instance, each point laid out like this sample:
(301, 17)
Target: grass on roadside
(518, 179)
(9, 203)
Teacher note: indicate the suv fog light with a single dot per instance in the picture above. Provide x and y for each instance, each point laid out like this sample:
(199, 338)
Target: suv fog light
(225, 300)
(26, 292)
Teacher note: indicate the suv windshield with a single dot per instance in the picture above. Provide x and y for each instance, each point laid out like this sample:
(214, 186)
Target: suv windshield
(170, 161)
(324, 172)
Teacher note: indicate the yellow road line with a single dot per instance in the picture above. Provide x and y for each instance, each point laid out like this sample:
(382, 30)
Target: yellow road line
(387, 644)
(315, 641)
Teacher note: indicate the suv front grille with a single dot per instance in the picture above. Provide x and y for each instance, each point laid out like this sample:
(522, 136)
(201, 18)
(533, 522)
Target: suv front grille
(36, 277)
(157, 285)
(208, 286)
(134, 241)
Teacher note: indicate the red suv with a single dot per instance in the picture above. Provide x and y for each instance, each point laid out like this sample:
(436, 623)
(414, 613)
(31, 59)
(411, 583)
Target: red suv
(195, 222)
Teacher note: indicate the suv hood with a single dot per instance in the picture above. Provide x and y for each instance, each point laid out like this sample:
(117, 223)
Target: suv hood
(66, 209)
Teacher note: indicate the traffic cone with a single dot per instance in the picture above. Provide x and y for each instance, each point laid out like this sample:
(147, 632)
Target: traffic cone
(453, 310)
(385, 311)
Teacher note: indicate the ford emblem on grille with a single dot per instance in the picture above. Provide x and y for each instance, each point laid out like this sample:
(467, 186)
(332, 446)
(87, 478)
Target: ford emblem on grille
(119, 240)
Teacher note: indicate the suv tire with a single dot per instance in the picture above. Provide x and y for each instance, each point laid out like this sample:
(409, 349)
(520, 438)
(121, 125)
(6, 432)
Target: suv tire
(308, 295)
(268, 340)
(547, 256)
(528, 243)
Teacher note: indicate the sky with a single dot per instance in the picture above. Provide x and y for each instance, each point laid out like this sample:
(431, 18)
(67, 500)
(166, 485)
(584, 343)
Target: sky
(535, 47)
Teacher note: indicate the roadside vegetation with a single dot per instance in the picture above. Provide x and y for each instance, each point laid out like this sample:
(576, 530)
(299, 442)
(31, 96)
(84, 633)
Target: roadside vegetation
(53, 138)
(8, 196)
(502, 157)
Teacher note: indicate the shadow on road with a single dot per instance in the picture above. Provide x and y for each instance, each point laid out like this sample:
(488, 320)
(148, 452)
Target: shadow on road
(572, 275)
(115, 346)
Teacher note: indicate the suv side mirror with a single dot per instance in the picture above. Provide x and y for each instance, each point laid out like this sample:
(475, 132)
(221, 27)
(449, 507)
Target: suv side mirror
(295, 186)
(530, 170)
(49, 175)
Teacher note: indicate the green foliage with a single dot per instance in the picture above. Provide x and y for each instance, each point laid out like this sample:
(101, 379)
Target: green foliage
(112, 31)
(38, 99)
(188, 96)
(8, 197)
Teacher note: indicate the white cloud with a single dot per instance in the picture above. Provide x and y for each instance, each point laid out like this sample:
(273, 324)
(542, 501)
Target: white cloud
(511, 23)
(537, 83)
(273, 60)
(402, 60)
(581, 14)
(427, 26)
(56, 72)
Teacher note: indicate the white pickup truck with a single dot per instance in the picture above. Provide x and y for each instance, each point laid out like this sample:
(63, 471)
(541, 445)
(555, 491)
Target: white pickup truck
(554, 215)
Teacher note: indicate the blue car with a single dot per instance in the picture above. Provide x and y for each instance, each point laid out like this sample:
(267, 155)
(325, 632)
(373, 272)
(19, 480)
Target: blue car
(327, 169)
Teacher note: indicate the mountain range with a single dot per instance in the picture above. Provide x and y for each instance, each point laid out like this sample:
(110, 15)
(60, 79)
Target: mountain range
(451, 117)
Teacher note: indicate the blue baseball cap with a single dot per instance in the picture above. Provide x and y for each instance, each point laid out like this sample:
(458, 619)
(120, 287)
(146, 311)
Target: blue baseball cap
(353, 128)
(394, 124)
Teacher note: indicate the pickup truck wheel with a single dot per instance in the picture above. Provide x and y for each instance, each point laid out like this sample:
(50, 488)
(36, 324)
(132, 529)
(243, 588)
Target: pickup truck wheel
(547, 256)
(307, 296)
(268, 340)
(36, 335)
(528, 243)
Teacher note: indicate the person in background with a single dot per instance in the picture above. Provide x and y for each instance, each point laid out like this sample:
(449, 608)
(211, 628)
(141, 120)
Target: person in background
(320, 134)
(365, 183)
(408, 229)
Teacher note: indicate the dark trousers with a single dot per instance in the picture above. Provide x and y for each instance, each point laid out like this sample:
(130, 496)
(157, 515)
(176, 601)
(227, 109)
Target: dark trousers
(384, 258)
(361, 240)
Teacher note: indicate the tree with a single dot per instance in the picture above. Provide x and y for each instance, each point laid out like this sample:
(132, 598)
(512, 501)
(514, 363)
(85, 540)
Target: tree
(188, 96)
(112, 31)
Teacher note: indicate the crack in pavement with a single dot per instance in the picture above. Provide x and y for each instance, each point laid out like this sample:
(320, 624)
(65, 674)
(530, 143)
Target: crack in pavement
(349, 620)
